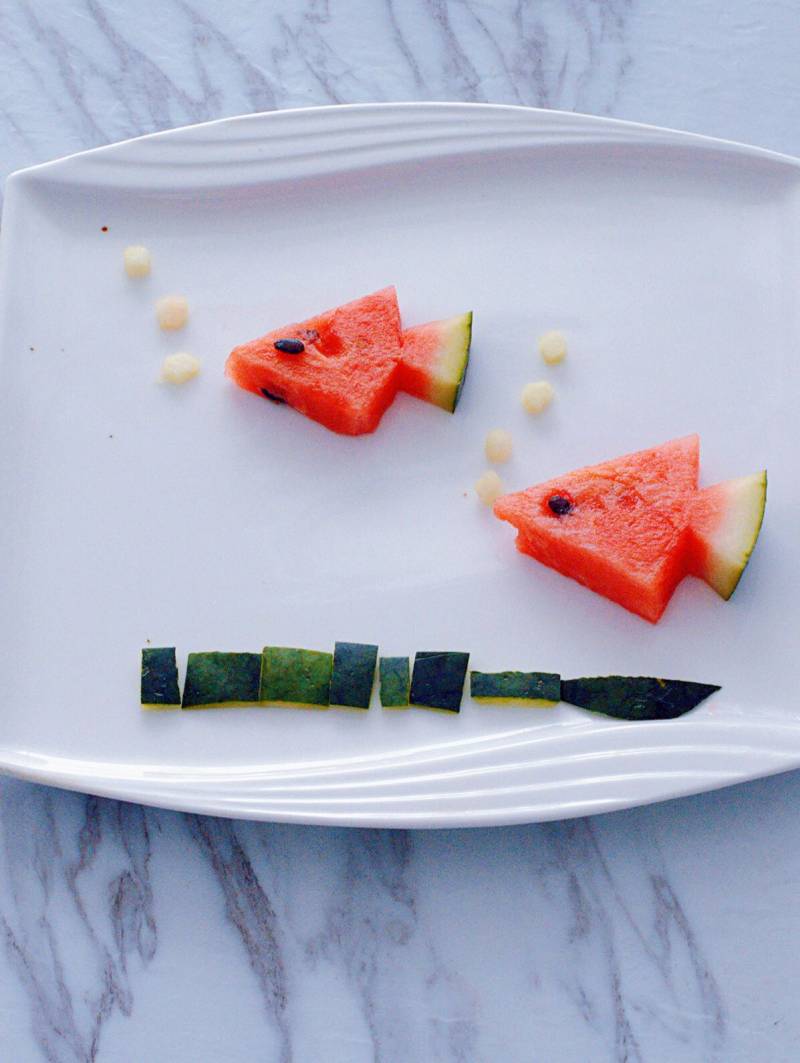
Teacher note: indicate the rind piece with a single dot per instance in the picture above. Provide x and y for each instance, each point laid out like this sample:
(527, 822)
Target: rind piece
(295, 677)
(353, 674)
(395, 677)
(636, 697)
(437, 681)
(435, 359)
(515, 688)
(725, 522)
(159, 682)
(221, 680)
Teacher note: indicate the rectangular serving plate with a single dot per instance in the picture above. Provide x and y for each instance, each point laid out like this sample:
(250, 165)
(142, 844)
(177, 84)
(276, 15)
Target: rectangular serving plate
(135, 514)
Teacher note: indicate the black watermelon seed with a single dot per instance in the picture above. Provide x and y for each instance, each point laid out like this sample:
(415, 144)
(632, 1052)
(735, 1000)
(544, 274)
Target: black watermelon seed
(271, 397)
(559, 505)
(289, 346)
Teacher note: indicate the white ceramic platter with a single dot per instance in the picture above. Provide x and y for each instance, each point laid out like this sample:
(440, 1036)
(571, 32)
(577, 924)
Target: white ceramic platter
(204, 518)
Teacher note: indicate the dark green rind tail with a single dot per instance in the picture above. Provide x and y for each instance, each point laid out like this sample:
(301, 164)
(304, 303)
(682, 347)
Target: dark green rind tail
(636, 697)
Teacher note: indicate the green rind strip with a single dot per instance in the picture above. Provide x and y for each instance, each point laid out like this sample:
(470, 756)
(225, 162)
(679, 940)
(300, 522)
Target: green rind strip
(216, 680)
(522, 688)
(636, 697)
(526, 703)
(353, 675)
(298, 677)
(159, 678)
(467, 342)
(437, 681)
(395, 676)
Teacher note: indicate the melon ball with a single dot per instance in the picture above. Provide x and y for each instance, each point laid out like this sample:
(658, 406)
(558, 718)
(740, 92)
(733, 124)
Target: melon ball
(489, 488)
(553, 347)
(172, 311)
(180, 367)
(537, 396)
(499, 445)
(137, 260)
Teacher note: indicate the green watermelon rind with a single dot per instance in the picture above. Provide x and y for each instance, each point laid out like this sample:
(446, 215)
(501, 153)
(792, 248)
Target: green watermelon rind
(516, 688)
(635, 698)
(395, 682)
(295, 677)
(353, 675)
(437, 681)
(159, 687)
(221, 680)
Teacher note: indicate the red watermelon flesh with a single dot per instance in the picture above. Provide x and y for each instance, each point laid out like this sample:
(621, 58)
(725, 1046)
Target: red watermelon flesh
(662, 474)
(632, 528)
(345, 377)
(612, 540)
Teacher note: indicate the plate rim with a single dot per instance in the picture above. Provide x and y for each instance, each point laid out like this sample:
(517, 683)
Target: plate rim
(642, 130)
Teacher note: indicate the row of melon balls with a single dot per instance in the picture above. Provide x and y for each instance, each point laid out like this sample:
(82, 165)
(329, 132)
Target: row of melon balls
(535, 398)
(172, 313)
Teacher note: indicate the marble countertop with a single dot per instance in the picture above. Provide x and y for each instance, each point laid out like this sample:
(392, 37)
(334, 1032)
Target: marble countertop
(667, 933)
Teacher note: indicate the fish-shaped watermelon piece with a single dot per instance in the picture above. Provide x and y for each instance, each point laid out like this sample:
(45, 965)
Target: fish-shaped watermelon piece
(632, 528)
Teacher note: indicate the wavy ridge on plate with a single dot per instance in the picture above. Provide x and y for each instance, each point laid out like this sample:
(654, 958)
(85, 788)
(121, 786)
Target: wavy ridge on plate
(513, 777)
(293, 144)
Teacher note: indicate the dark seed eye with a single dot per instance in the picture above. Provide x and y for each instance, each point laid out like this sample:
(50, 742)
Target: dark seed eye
(271, 397)
(559, 505)
(289, 346)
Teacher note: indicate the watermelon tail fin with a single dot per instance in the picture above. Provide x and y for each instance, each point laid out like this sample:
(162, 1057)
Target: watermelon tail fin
(435, 359)
(725, 522)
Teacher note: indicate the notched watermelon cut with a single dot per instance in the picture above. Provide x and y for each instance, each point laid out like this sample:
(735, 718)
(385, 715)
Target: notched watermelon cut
(346, 374)
(435, 359)
(632, 528)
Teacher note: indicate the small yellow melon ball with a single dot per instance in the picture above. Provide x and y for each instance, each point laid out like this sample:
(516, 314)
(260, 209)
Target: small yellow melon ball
(489, 488)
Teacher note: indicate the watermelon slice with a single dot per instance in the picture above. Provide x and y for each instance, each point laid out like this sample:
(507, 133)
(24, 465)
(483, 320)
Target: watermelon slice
(340, 368)
(633, 527)
(435, 360)
(725, 521)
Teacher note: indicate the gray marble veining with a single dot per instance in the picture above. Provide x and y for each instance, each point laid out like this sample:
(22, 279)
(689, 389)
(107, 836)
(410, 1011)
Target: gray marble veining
(101, 73)
(133, 934)
(661, 934)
